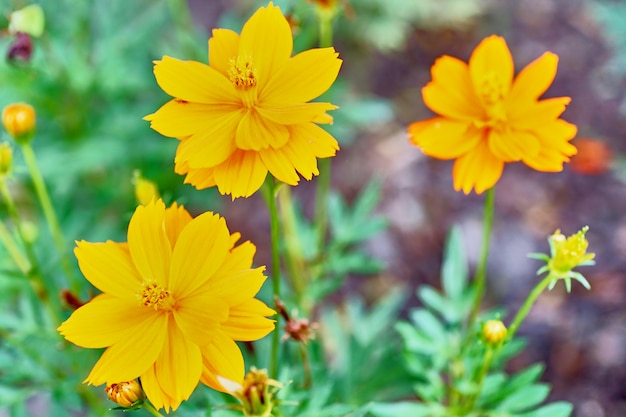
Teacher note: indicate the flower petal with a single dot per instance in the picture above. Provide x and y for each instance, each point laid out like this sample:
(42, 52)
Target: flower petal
(199, 252)
(255, 132)
(223, 358)
(444, 138)
(176, 219)
(450, 93)
(194, 81)
(178, 118)
(132, 355)
(200, 178)
(267, 38)
(304, 77)
(148, 243)
(534, 79)
(155, 393)
(297, 113)
(235, 287)
(513, 145)
(109, 267)
(199, 317)
(104, 321)
(179, 366)
(223, 45)
(555, 148)
(213, 143)
(240, 175)
(321, 143)
(492, 61)
(246, 321)
(532, 115)
(478, 170)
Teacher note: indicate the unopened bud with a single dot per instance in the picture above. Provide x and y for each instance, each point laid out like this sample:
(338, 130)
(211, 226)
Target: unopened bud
(6, 159)
(29, 19)
(145, 190)
(125, 394)
(494, 331)
(19, 120)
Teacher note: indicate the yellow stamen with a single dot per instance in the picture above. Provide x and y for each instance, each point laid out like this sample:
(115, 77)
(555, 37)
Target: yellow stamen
(156, 296)
(242, 72)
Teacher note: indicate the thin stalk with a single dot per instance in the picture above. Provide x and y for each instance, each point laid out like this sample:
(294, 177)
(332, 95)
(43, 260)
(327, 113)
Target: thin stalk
(150, 408)
(525, 309)
(270, 184)
(13, 250)
(323, 180)
(481, 268)
(480, 379)
(306, 365)
(49, 214)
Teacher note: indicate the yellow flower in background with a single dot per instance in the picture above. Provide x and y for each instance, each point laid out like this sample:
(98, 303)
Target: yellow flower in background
(175, 298)
(19, 120)
(249, 110)
(487, 118)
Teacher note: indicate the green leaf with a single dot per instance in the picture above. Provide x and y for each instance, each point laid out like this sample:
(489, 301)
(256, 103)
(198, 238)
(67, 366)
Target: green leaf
(401, 409)
(429, 325)
(558, 409)
(525, 398)
(454, 270)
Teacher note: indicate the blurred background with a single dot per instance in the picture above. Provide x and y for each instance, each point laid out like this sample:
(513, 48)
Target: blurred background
(90, 78)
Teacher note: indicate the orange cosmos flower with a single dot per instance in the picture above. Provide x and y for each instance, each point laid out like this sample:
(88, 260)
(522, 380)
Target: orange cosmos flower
(248, 111)
(175, 298)
(486, 118)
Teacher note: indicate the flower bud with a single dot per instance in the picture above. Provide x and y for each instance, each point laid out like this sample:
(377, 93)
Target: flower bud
(145, 190)
(6, 159)
(19, 120)
(568, 253)
(494, 331)
(29, 19)
(125, 394)
(256, 394)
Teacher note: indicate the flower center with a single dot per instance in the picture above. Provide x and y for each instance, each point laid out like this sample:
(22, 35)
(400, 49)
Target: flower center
(492, 92)
(156, 296)
(242, 72)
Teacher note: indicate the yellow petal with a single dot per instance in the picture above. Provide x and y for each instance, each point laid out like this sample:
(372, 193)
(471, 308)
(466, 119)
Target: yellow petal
(148, 243)
(534, 79)
(450, 93)
(304, 77)
(240, 175)
(199, 252)
(199, 317)
(320, 142)
(296, 113)
(238, 286)
(155, 393)
(444, 138)
(179, 119)
(256, 132)
(109, 268)
(176, 218)
(223, 45)
(513, 145)
(246, 321)
(492, 59)
(223, 358)
(212, 143)
(478, 170)
(132, 355)
(194, 81)
(267, 38)
(104, 321)
(239, 257)
(179, 366)
(531, 115)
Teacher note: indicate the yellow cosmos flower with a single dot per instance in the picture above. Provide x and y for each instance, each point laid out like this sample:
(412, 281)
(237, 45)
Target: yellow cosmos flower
(248, 111)
(486, 118)
(175, 298)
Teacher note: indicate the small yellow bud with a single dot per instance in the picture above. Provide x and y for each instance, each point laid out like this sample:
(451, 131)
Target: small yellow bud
(494, 331)
(19, 119)
(568, 253)
(145, 190)
(126, 394)
(6, 159)
(256, 394)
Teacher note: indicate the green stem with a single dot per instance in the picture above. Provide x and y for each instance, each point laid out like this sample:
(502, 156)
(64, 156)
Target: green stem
(481, 268)
(271, 186)
(480, 379)
(525, 309)
(50, 214)
(13, 250)
(183, 23)
(150, 408)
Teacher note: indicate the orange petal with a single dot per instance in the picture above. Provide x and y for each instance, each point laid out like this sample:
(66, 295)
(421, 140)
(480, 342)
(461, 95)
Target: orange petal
(109, 268)
(491, 60)
(148, 243)
(513, 145)
(176, 218)
(223, 358)
(223, 45)
(199, 252)
(304, 77)
(444, 138)
(478, 170)
(194, 81)
(267, 38)
(534, 79)
(533, 114)
(246, 321)
(451, 93)
(555, 148)
(255, 132)
(240, 175)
